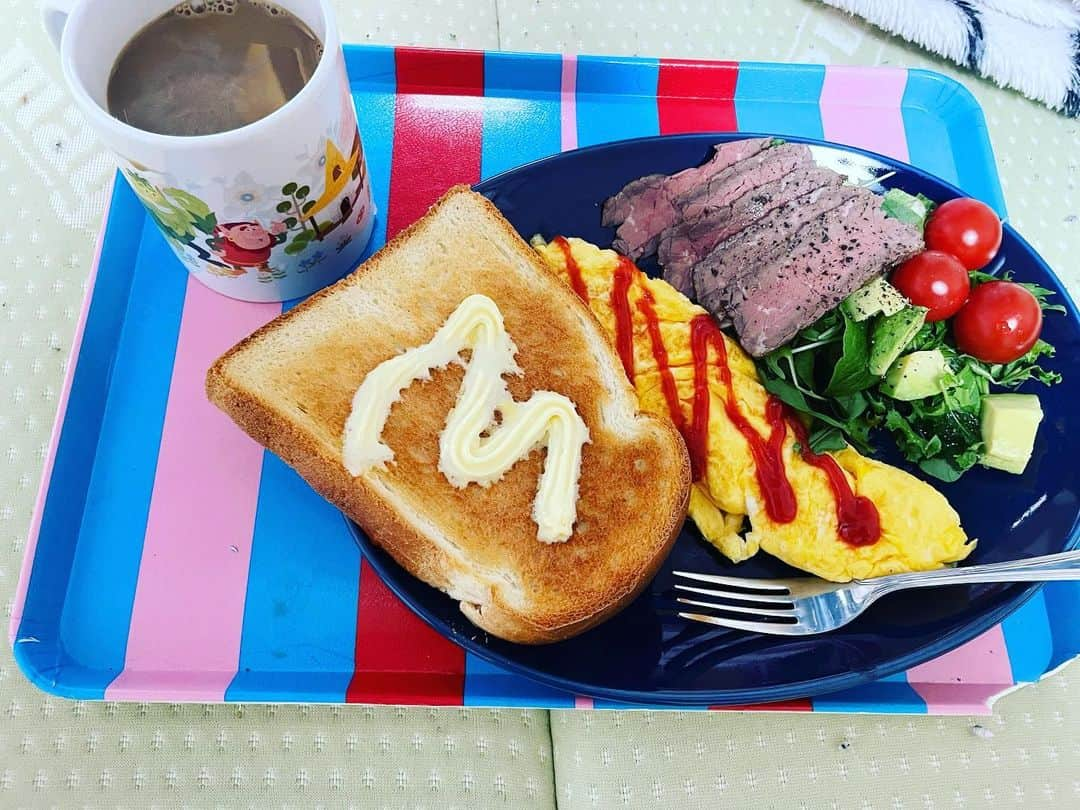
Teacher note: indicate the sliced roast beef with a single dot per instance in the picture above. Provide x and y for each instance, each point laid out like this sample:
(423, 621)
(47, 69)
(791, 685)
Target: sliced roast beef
(717, 278)
(824, 262)
(644, 207)
(723, 189)
(687, 242)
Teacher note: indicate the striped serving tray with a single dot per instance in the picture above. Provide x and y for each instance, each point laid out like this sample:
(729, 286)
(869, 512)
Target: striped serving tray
(171, 558)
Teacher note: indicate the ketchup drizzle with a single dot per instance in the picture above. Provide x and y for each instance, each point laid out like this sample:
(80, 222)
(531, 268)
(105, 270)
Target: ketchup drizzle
(620, 305)
(780, 503)
(572, 269)
(645, 304)
(858, 520)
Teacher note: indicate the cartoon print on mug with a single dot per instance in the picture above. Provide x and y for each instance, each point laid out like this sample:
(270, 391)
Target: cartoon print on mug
(181, 216)
(243, 245)
(245, 233)
(310, 220)
(246, 193)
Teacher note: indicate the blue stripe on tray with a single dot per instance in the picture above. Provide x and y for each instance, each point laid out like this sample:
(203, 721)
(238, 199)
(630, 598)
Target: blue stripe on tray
(488, 684)
(928, 134)
(535, 83)
(300, 620)
(521, 110)
(1028, 639)
(374, 88)
(101, 587)
(616, 99)
(946, 134)
(890, 695)
(1063, 606)
(299, 617)
(781, 100)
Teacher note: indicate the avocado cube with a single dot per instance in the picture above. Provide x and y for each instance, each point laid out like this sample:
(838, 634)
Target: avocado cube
(877, 296)
(917, 375)
(1009, 424)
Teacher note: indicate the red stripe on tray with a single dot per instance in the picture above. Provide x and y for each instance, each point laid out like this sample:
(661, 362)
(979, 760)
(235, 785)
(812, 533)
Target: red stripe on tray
(400, 659)
(699, 96)
(437, 135)
(184, 636)
(437, 129)
(696, 96)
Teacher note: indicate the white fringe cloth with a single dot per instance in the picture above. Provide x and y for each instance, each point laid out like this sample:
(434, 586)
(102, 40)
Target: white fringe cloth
(1029, 45)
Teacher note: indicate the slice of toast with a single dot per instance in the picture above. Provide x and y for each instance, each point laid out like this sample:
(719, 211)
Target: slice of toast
(290, 386)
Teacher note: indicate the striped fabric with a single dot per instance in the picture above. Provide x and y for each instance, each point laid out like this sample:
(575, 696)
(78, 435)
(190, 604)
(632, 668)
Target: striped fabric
(171, 558)
(1029, 45)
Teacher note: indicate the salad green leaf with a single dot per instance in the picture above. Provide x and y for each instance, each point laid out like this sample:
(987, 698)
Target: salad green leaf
(822, 373)
(851, 373)
(910, 208)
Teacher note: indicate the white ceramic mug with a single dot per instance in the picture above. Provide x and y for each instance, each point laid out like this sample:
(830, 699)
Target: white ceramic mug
(270, 211)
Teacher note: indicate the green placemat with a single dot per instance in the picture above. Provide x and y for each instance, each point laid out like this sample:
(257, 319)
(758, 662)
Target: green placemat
(55, 753)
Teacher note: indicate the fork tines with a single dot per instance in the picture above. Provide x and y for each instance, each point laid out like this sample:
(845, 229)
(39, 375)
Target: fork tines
(770, 603)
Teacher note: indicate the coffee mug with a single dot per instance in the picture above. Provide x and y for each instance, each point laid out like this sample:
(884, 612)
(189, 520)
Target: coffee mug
(271, 211)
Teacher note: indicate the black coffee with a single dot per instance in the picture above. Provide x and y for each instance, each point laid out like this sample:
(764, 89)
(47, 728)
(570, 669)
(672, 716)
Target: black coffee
(212, 66)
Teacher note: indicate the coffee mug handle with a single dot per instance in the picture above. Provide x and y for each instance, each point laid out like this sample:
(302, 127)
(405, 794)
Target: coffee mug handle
(54, 14)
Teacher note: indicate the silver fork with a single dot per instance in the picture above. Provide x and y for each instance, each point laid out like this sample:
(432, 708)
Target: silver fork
(805, 606)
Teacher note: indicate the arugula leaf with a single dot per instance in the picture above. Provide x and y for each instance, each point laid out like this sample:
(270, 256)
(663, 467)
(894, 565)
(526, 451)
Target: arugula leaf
(795, 397)
(1026, 368)
(909, 208)
(851, 372)
(958, 431)
(911, 442)
(930, 336)
(1041, 294)
(967, 387)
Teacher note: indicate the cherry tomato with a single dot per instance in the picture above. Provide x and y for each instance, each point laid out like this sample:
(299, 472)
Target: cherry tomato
(1000, 322)
(934, 280)
(966, 228)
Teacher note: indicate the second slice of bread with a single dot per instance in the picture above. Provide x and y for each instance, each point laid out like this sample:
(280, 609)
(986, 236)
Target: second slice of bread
(290, 386)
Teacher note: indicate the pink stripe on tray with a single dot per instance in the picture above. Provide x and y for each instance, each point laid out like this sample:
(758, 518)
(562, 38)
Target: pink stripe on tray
(568, 102)
(964, 680)
(184, 637)
(54, 437)
(861, 107)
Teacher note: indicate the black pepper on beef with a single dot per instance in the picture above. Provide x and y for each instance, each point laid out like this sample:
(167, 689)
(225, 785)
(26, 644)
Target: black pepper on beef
(689, 241)
(646, 206)
(822, 264)
(760, 236)
(723, 189)
(717, 277)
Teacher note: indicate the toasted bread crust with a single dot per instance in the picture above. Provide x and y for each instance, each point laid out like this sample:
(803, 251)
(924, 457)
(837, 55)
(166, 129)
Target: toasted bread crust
(409, 537)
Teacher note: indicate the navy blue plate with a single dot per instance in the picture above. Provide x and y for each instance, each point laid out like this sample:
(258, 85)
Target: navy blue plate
(648, 654)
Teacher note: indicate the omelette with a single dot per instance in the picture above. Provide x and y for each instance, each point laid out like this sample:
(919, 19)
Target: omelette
(838, 515)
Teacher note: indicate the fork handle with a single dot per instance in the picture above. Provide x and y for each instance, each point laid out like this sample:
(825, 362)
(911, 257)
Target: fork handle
(1052, 567)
